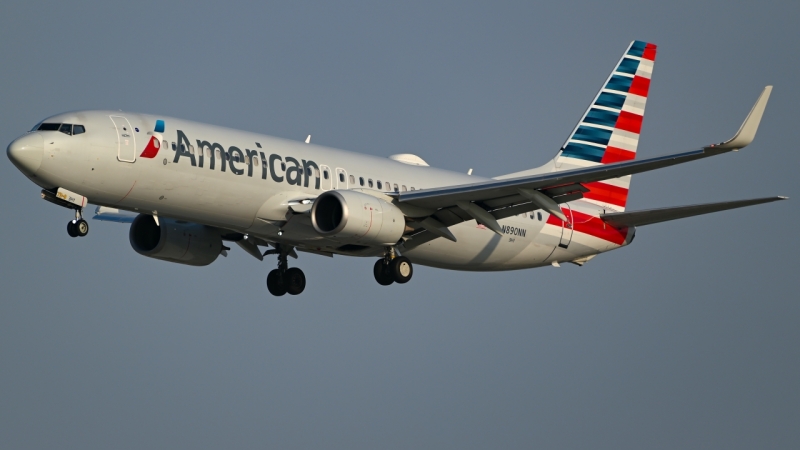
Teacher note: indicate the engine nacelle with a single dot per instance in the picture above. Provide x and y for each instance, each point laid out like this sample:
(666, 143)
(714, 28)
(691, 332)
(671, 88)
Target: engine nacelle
(175, 241)
(356, 218)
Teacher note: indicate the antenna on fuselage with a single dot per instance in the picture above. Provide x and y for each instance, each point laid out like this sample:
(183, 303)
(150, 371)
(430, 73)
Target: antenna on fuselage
(469, 172)
(308, 139)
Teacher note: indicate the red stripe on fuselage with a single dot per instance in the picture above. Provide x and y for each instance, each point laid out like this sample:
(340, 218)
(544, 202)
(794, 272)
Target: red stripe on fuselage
(593, 226)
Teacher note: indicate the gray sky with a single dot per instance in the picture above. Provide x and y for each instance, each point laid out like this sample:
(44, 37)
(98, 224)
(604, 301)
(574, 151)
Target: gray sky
(686, 339)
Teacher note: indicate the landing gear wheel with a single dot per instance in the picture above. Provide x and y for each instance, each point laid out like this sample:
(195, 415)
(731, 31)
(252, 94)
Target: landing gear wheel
(275, 283)
(382, 272)
(81, 228)
(401, 269)
(71, 229)
(295, 281)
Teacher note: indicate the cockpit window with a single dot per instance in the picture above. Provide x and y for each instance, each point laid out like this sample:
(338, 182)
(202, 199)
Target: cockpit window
(65, 128)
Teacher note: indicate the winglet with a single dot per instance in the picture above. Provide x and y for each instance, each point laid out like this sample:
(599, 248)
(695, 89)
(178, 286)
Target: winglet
(747, 132)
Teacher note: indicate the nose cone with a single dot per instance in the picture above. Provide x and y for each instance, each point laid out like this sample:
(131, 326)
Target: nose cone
(27, 152)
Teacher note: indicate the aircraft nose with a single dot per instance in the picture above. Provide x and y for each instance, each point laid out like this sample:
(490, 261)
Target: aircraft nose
(26, 152)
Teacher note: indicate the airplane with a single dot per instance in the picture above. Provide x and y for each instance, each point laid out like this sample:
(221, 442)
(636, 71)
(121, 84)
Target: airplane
(188, 188)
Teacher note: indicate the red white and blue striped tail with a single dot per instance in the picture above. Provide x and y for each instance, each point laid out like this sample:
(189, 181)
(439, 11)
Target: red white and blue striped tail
(609, 130)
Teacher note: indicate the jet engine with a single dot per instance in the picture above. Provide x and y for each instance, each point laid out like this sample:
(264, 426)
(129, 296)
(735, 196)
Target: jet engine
(175, 241)
(356, 218)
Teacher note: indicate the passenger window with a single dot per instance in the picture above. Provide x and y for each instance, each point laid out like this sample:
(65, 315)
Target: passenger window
(165, 144)
(208, 152)
(255, 160)
(283, 166)
(191, 149)
(174, 146)
(247, 160)
(183, 148)
(49, 127)
(308, 171)
(539, 215)
(369, 182)
(341, 177)
(217, 154)
(396, 189)
(352, 179)
(65, 128)
(361, 181)
(412, 188)
(380, 186)
(78, 129)
(403, 187)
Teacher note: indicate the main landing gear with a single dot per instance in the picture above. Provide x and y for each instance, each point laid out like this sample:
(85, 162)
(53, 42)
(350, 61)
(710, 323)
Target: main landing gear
(392, 269)
(284, 280)
(78, 227)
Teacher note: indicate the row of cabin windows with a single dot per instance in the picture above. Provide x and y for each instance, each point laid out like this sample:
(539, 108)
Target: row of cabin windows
(66, 128)
(309, 171)
(380, 185)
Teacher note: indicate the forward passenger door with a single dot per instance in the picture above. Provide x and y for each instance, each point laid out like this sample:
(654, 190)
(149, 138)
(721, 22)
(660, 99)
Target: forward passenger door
(126, 141)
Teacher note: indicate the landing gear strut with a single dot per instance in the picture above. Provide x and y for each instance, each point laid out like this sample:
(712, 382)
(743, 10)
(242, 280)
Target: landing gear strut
(284, 280)
(392, 269)
(78, 227)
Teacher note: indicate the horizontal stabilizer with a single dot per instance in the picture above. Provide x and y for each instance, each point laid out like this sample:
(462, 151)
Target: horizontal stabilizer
(647, 217)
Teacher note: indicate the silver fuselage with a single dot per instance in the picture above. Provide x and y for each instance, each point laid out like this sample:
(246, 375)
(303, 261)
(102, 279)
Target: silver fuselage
(251, 196)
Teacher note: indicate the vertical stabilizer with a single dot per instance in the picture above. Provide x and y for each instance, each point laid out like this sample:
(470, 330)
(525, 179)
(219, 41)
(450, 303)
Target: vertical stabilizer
(609, 130)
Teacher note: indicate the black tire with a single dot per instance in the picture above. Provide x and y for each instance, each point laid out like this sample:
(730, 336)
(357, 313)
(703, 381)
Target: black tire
(295, 281)
(71, 229)
(401, 269)
(81, 228)
(275, 283)
(383, 275)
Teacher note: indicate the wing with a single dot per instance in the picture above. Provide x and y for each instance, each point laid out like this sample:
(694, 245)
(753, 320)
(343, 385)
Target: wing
(496, 199)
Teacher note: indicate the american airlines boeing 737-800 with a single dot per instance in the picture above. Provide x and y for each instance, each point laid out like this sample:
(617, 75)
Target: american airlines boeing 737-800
(188, 188)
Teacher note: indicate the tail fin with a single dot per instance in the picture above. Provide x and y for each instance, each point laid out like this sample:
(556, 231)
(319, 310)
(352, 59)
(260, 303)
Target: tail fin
(609, 130)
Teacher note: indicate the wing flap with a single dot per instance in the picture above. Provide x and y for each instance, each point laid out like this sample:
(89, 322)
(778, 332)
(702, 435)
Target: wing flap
(650, 216)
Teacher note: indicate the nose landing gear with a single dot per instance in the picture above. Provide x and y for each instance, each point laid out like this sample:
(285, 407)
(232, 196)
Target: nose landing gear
(285, 280)
(392, 269)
